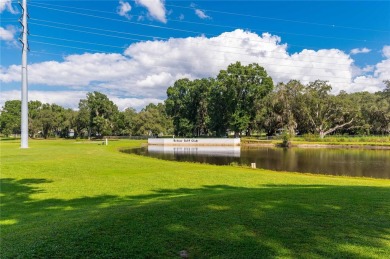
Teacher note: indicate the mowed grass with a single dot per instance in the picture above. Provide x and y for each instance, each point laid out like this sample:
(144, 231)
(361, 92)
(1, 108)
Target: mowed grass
(62, 198)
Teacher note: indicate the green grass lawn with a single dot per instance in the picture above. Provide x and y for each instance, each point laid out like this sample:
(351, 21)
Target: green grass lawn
(81, 199)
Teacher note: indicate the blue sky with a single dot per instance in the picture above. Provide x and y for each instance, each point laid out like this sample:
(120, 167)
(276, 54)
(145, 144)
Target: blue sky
(134, 50)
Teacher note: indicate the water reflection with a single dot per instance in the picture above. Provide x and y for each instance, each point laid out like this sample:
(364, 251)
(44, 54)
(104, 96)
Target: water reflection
(229, 151)
(351, 162)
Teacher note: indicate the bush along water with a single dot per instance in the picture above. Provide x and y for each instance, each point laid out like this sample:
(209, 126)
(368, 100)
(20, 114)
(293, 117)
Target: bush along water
(286, 137)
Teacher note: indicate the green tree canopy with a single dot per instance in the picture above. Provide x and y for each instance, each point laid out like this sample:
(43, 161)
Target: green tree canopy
(101, 112)
(187, 104)
(237, 92)
(325, 113)
(152, 121)
(10, 117)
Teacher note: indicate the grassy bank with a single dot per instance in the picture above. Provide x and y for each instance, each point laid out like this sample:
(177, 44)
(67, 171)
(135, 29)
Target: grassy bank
(81, 199)
(334, 141)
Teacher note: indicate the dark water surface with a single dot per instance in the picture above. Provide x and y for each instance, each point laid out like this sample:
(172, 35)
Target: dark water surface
(351, 162)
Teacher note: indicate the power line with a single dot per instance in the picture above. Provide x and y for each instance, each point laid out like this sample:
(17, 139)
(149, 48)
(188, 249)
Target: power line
(214, 50)
(216, 25)
(263, 63)
(238, 53)
(98, 29)
(161, 37)
(246, 15)
(148, 25)
(111, 31)
(272, 31)
(280, 19)
(58, 45)
(48, 53)
(155, 37)
(87, 32)
(84, 42)
(220, 66)
(116, 20)
(77, 8)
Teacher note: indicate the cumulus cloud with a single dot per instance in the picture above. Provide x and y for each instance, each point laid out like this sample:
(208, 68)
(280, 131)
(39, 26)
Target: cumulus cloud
(138, 104)
(367, 83)
(67, 99)
(374, 82)
(123, 9)
(201, 14)
(368, 68)
(6, 5)
(156, 9)
(382, 70)
(74, 71)
(359, 51)
(146, 69)
(386, 51)
(7, 34)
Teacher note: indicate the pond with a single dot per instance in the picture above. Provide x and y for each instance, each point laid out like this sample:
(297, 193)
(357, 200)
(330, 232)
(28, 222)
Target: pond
(350, 162)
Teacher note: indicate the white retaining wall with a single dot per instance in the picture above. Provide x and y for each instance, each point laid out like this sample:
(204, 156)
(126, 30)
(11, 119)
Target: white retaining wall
(224, 151)
(194, 141)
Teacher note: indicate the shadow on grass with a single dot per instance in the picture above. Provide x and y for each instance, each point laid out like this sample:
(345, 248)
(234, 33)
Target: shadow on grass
(9, 139)
(213, 221)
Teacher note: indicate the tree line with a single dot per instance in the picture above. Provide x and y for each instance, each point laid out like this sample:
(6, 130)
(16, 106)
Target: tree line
(97, 116)
(241, 100)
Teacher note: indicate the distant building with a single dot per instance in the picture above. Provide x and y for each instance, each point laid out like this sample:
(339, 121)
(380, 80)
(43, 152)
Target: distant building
(71, 133)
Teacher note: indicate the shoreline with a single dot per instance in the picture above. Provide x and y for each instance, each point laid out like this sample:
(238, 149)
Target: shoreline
(316, 145)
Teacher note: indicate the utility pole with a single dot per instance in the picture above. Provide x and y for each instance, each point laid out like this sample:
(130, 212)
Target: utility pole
(24, 119)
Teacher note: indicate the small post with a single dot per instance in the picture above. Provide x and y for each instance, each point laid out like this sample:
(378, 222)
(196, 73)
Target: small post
(253, 165)
(106, 142)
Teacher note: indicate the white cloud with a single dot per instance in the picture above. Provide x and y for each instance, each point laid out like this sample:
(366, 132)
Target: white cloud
(75, 70)
(6, 5)
(382, 70)
(123, 9)
(181, 17)
(360, 71)
(368, 68)
(156, 9)
(201, 14)
(359, 51)
(146, 69)
(374, 83)
(7, 34)
(367, 83)
(386, 51)
(67, 99)
(138, 104)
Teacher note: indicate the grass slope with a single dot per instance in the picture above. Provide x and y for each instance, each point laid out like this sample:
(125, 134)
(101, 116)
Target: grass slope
(81, 199)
